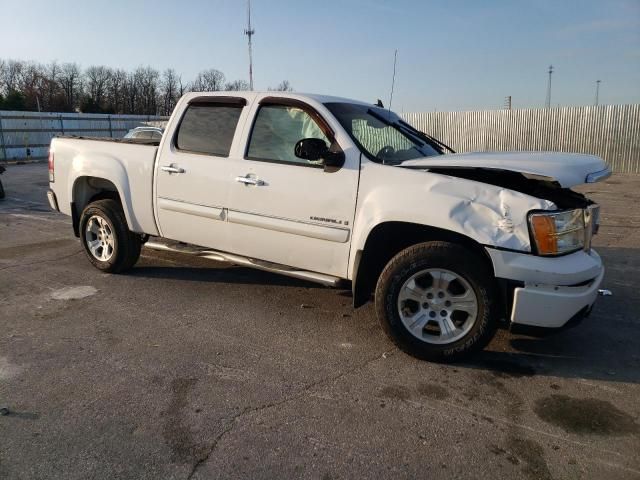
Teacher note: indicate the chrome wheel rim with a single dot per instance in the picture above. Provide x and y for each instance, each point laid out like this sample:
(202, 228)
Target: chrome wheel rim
(437, 306)
(99, 238)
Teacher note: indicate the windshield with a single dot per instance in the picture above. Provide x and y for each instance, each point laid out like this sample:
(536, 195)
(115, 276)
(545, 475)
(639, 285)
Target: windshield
(382, 135)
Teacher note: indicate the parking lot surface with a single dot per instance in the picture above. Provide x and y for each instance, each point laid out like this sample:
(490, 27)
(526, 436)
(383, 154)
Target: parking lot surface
(187, 368)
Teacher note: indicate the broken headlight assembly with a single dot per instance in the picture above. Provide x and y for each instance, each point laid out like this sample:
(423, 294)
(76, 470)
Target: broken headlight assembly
(558, 233)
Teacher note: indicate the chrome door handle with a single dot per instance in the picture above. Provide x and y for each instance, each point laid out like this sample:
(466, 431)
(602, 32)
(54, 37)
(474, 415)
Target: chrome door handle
(171, 169)
(250, 181)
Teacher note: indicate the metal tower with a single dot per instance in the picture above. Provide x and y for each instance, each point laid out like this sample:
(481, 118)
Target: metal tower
(549, 87)
(249, 32)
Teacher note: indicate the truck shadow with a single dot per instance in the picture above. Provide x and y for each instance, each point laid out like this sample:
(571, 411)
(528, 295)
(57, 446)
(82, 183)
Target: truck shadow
(603, 347)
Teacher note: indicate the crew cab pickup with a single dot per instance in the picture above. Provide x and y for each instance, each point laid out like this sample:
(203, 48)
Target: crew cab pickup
(336, 191)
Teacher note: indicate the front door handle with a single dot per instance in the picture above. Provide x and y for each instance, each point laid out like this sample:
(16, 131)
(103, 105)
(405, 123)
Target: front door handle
(250, 181)
(171, 169)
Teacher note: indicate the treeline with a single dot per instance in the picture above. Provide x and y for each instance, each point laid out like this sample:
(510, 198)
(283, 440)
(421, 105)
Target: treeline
(66, 87)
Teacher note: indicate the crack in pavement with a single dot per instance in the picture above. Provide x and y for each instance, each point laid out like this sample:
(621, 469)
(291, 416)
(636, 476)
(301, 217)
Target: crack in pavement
(296, 396)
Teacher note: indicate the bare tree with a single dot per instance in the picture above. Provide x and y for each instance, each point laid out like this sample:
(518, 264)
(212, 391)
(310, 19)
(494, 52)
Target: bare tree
(11, 75)
(148, 79)
(171, 91)
(237, 86)
(52, 95)
(208, 81)
(116, 91)
(283, 86)
(32, 78)
(96, 80)
(3, 69)
(71, 83)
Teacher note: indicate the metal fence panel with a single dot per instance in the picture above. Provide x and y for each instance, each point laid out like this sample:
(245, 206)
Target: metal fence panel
(27, 135)
(609, 131)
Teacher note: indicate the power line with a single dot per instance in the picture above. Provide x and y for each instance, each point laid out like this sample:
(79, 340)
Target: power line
(249, 32)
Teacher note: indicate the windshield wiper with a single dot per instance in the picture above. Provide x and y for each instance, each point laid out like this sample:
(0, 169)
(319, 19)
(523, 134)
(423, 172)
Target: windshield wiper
(425, 136)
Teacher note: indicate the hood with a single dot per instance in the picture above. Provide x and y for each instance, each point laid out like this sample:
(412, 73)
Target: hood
(568, 169)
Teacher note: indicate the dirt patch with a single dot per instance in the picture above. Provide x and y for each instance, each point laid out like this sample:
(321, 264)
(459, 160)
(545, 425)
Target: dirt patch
(176, 433)
(395, 392)
(73, 293)
(8, 370)
(531, 454)
(432, 390)
(525, 452)
(585, 416)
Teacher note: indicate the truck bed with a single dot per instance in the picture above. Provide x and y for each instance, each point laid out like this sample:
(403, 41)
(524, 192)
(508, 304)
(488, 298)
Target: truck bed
(127, 163)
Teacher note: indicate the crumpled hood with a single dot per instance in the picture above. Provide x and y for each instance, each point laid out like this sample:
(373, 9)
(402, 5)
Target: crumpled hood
(568, 169)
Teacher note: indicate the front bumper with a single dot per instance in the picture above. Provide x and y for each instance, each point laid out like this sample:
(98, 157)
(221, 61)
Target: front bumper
(551, 291)
(551, 306)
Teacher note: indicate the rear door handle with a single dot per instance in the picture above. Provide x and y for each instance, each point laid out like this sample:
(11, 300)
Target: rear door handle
(250, 181)
(171, 169)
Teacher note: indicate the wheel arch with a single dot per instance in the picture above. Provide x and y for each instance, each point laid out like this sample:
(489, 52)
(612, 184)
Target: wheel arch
(87, 189)
(387, 239)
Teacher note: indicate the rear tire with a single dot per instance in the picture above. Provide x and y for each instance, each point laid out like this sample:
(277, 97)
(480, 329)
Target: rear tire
(1, 190)
(106, 238)
(437, 301)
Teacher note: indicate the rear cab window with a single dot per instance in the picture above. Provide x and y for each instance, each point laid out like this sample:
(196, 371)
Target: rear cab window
(208, 127)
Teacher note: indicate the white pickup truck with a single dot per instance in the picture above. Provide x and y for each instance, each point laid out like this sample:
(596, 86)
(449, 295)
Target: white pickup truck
(450, 246)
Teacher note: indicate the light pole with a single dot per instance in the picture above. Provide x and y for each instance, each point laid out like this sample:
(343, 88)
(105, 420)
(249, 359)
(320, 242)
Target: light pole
(249, 32)
(549, 87)
(597, 91)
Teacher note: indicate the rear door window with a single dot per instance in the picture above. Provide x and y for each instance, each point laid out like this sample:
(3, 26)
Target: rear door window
(208, 128)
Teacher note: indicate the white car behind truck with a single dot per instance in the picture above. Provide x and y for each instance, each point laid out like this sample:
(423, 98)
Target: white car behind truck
(449, 246)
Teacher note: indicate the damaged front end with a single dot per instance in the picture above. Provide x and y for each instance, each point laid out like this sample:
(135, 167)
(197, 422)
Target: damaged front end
(540, 187)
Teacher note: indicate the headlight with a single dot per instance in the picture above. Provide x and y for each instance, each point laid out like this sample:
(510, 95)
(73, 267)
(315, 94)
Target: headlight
(558, 232)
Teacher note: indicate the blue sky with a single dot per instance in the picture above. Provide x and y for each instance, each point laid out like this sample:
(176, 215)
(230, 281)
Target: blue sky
(452, 55)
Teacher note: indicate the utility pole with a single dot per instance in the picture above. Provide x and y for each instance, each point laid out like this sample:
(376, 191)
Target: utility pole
(249, 32)
(597, 91)
(549, 87)
(507, 102)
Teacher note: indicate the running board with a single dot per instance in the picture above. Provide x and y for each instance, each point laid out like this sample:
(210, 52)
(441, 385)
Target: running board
(209, 254)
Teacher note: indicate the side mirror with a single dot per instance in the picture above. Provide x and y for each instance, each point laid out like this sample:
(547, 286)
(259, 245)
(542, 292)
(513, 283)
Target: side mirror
(312, 149)
(315, 150)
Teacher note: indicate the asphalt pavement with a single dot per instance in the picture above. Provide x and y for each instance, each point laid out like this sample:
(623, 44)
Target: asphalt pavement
(186, 368)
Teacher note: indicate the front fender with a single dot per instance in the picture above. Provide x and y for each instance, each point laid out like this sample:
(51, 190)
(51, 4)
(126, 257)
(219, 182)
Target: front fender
(489, 215)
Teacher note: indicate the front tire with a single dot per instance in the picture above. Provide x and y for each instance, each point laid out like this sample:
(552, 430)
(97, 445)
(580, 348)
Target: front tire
(436, 301)
(106, 238)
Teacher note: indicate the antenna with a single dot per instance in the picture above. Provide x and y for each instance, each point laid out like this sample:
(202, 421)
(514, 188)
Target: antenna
(549, 87)
(249, 32)
(597, 91)
(393, 80)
